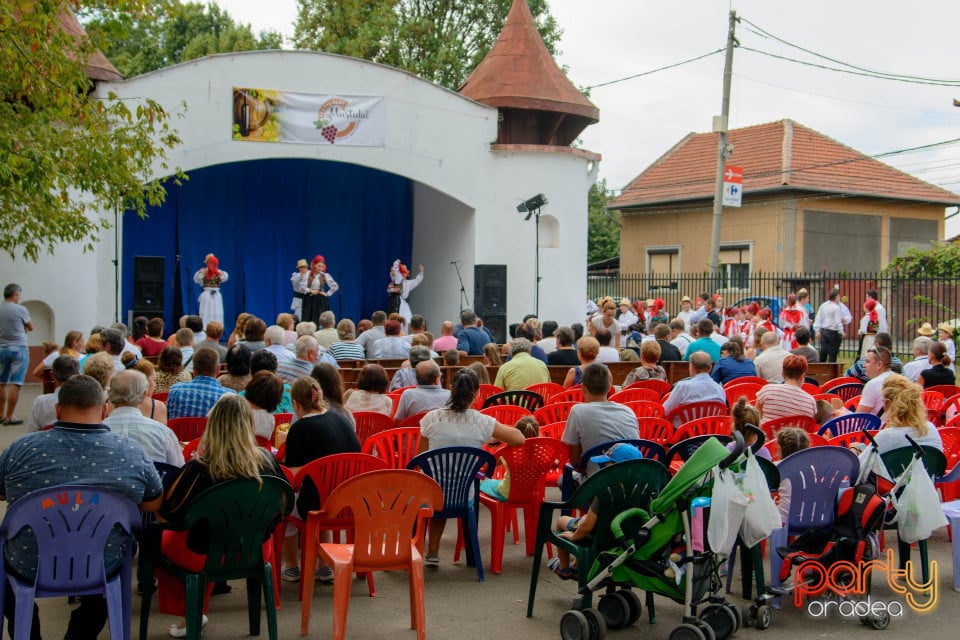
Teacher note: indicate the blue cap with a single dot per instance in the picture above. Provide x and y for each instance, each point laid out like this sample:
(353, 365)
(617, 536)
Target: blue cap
(619, 452)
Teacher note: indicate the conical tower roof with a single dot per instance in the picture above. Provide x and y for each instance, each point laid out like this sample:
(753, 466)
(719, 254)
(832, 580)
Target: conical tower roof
(519, 73)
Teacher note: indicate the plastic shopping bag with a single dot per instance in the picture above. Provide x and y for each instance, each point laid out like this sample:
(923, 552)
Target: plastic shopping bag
(727, 507)
(918, 507)
(761, 516)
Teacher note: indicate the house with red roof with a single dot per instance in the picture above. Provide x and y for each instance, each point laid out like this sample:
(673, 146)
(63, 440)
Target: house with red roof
(809, 204)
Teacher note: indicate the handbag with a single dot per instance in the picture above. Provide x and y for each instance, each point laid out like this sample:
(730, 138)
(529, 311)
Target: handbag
(761, 515)
(918, 506)
(728, 504)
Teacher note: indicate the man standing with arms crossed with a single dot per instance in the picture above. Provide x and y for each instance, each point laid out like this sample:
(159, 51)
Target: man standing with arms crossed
(14, 357)
(828, 326)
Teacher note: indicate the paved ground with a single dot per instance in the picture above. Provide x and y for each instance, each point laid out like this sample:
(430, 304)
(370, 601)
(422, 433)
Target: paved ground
(457, 604)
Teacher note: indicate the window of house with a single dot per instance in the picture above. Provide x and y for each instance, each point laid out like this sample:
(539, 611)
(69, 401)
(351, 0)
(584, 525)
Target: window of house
(735, 266)
(663, 268)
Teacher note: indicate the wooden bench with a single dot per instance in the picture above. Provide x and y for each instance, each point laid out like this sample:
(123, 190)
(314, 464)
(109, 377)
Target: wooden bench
(825, 371)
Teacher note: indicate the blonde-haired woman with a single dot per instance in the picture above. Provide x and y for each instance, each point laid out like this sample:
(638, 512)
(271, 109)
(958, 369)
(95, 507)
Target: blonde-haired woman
(648, 369)
(228, 451)
(587, 351)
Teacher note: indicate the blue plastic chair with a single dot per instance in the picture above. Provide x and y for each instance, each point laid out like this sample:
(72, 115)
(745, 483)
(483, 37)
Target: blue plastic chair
(850, 423)
(458, 471)
(815, 475)
(649, 449)
(71, 524)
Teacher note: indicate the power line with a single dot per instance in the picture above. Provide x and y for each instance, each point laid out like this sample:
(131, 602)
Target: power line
(647, 73)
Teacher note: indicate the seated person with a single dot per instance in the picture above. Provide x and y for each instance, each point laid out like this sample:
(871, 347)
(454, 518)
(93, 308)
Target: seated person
(789, 440)
(648, 369)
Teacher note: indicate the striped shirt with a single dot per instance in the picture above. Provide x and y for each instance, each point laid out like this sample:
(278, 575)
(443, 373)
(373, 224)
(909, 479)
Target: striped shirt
(784, 400)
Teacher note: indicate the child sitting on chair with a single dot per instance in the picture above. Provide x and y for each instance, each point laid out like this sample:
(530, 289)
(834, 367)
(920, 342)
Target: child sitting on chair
(500, 489)
(579, 528)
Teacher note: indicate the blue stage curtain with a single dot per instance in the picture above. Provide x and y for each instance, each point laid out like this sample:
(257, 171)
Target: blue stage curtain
(259, 218)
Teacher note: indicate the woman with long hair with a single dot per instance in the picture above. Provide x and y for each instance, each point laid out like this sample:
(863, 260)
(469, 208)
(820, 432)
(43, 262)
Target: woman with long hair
(332, 385)
(227, 451)
(170, 369)
(72, 346)
(459, 426)
(238, 329)
(940, 372)
(491, 355)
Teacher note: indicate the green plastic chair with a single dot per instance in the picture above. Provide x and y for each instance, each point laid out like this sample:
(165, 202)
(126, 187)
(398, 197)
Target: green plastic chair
(240, 516)
(634, 483)
(896, 462)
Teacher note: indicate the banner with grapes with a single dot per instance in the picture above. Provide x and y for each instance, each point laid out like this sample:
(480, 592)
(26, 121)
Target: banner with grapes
(264, 115)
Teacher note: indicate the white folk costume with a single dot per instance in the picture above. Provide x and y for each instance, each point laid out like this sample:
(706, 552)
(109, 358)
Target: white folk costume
(210, 300)
(320, 286)
(299, 281)
(791, 317)
(400, 287)
(869, 326)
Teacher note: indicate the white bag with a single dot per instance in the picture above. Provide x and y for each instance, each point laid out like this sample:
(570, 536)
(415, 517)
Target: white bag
(918, 507)
(727, 506)
(761, 515)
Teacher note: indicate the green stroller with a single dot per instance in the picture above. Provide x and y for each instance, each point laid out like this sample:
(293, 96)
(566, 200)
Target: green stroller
(659, 553)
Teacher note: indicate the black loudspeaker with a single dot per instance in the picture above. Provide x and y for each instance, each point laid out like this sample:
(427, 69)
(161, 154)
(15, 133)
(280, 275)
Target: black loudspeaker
(148, 286)
(490, 298)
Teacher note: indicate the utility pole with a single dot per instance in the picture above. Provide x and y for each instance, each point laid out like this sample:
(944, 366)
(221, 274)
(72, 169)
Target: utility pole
(723, 150)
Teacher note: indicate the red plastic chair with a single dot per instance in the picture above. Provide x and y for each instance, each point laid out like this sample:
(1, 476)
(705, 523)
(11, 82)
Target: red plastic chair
(950, 437)
(657, 430)
(395, 397)
(712, 425)
(644, 409)
(635, 395)
(806, 423)
(828, 397)
(746, 380)
(852, 403)
(388, 506)
(948, 390)
(809, 387)
(828, 386)
(529, 466)
(486, 390)
(748, 389)
(846, 439)
(555, 412)
(933, 401)
(660, 386)
(949, 409)
(282, 418)
(573, 394)
(370, 423)
(546, 389)
(188, 429)
(395, 446)
(774, 449)
(507, 414)
(161, 396)
(695, 410)
(847, 391)
(190, 449)
(412, 420)
(553, 430)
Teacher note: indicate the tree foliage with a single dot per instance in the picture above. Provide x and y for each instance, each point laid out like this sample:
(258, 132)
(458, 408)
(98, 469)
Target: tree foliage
(169, 33)
(438, 40)
(64, 154)
(603, 237)
(940, 261)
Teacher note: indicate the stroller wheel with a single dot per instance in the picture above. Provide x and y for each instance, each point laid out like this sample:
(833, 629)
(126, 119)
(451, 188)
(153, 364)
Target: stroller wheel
(706, 629)
(750, 615)
(737, 615)
(720, 619)
(615, 610)
(598, 626)
(574, 626)
(879, 621)
(636, 605)
(764, 617)
(687, 631)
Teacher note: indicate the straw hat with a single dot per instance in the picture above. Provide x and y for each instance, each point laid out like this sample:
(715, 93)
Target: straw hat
(926, 329)
(946, 326)
(302, 264)
(686, 299)
(625, 301)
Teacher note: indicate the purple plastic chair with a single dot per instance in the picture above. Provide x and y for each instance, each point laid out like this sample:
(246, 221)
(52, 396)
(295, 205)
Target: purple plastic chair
(815, 476)
(71, 524)
(850, 423)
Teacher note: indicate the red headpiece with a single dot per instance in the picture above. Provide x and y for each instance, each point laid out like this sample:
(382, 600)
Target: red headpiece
(753, 308)
(870, 305)
(791, 300)
(659, 304)
(212, 264)
(316, 259)
(765, 313)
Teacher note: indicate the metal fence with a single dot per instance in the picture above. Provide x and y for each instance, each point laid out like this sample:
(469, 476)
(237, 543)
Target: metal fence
(909, 302)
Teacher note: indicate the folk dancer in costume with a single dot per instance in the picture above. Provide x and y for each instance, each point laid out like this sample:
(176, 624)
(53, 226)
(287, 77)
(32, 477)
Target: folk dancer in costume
(791, 317)
(320, 286)
(766, 321)
(656, 314)
(731, 324)
(400, 287)
(210, 300)
(869, 326)
(299, 282)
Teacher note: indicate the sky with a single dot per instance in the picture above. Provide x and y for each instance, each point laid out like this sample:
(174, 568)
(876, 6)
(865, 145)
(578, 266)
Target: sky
(641, 118)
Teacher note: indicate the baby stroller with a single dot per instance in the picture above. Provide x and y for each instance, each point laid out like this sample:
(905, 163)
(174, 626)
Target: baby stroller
(857, 518)
(651, 557)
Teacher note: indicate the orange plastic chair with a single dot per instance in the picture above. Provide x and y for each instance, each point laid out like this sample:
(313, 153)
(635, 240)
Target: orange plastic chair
(394, 446)
(748, 389)
(660, 386)
(827, 386)
(546, 389)
(695, 410)
(827, 396)
(529, 466)
(370, 423)
(188, 429)
(806, 423)
(486, 390)
(658, 430)
(644, 409)
(507, 414)
(388, 506)
(412, 420)
(326, 474)
(711, 425)
(773, 448)
(746, 380)
(573, 394)
(635, 395)
(555, 412)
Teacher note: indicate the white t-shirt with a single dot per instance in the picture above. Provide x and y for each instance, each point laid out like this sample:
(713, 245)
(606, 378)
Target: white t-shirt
(448, 428)
(872, 395)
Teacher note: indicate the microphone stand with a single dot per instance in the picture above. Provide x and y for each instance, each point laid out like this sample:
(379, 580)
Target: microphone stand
(464, 301)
